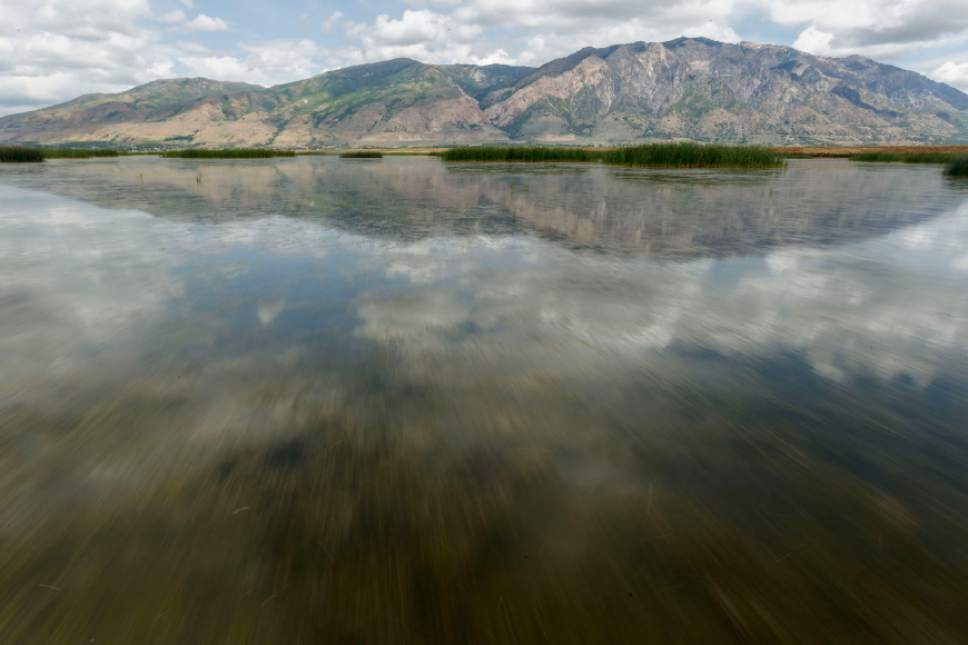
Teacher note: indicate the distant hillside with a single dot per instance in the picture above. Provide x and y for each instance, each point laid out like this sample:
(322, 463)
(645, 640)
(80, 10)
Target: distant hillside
(690, 88)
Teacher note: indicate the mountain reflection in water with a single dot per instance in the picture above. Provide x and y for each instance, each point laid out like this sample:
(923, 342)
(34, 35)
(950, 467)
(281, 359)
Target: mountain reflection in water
(316, 400)
(707, 213)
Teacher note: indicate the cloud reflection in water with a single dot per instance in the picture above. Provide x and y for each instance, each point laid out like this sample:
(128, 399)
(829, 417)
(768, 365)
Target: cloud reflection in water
(628, 403)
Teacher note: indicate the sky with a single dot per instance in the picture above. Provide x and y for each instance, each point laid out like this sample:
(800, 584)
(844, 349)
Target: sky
(54, 50)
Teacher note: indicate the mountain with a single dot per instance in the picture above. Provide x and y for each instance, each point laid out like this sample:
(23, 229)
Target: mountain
(691, 88)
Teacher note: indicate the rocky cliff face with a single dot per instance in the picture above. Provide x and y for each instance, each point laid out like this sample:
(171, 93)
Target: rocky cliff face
(687, 88)
(701, 89)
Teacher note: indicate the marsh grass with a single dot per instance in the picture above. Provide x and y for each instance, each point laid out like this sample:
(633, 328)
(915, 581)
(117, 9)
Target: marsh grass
(20, 154)
(694, 155)
(78, 153)
(669, 155)
(958, 167)
(519, 153)
(236, 153)
(24, 153)
(362, 154)
(905, 157)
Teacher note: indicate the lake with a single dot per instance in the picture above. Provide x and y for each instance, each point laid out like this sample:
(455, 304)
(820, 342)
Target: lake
(376, 401)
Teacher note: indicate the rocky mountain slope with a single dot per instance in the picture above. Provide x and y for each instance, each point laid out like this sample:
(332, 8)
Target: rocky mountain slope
(686, 88)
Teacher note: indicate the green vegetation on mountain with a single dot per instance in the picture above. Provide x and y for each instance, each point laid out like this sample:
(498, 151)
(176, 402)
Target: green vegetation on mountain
(487, 84)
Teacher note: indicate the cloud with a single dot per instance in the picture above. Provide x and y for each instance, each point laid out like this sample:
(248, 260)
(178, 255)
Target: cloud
(203, 22)
(175, 16)
(263, 63)
(426, 36)
(953, 73)
(815, 41)
(417, 33)
(534, 31)
(871, 27)
(55, 50)
(475, 32)
(331, 21)
(579, 16)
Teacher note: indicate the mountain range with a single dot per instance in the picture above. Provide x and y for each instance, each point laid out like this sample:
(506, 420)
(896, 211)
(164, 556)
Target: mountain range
(688, 88)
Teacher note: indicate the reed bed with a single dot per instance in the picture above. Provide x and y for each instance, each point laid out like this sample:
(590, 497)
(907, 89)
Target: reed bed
(519, 153)
(668, 155)
(694, 155)
(20, 154)
(905, 157)
(958, 167)
(78, 153)
(229, 153)
(362, 154)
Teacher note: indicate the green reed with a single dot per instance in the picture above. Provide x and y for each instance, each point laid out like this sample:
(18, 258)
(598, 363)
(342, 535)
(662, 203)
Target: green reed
(958, 167)
(229, 153)
(361, 154)
(694, 155)
(519, 153)
(904, 157)
(20, 154)
(78, 153)
(673, 155)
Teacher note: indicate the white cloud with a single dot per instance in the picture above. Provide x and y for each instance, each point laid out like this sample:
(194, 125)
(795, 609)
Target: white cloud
(534, 31)
(872, 27)
(953, 73)
(554, 28)
(814, 41)
(63, 48)
(54, 50)
(203, 22)
(421, 34)
(265, 63)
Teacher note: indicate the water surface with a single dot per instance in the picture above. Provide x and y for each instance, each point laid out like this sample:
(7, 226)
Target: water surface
(318, 400)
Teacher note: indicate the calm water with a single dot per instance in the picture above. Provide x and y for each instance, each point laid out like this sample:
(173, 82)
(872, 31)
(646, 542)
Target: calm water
(315, 400)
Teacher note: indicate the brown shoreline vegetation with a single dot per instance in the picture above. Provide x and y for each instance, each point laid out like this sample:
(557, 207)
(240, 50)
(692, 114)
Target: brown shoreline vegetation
(850, 151)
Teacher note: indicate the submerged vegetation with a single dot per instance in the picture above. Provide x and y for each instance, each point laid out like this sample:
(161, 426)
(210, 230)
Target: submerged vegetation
(362, 154)
(228, 153)
(958, 167)
(674, 155)
(20, 154)
(905, 157)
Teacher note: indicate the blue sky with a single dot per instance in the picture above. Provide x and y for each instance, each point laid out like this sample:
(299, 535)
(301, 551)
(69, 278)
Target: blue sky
(54, 50)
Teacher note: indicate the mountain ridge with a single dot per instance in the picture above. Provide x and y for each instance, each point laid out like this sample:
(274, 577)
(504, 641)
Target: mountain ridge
(687, 88)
